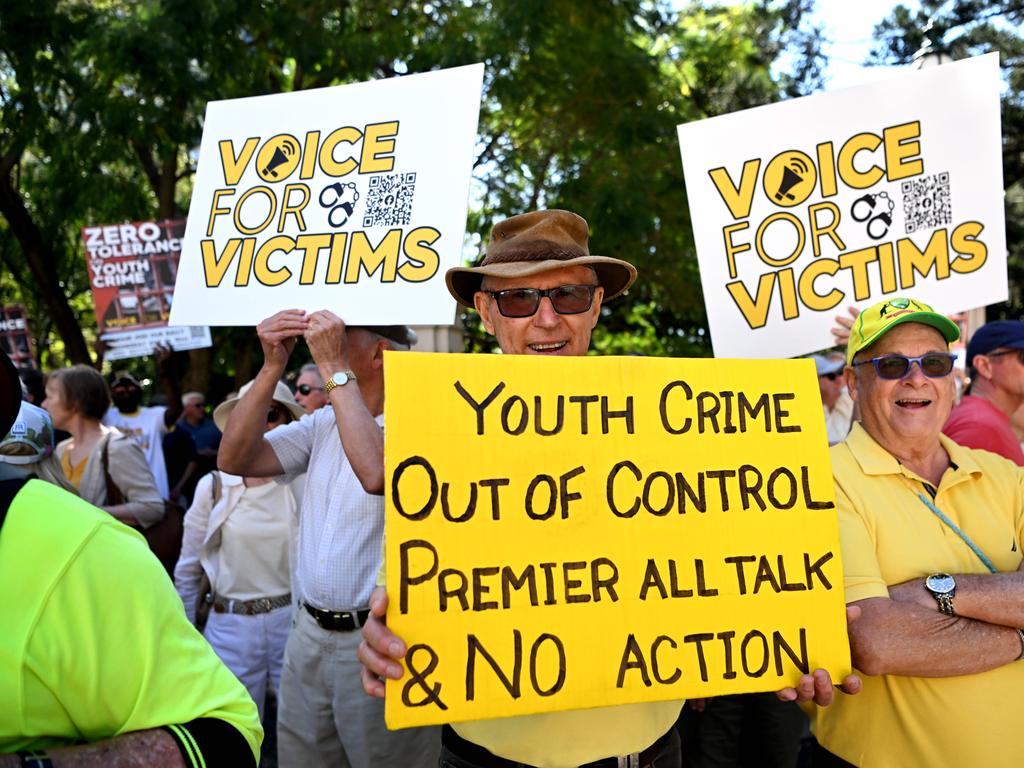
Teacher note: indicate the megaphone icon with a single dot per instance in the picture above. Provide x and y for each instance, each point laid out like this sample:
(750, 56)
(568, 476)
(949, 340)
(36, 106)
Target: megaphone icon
(790, 179)
(278, 158)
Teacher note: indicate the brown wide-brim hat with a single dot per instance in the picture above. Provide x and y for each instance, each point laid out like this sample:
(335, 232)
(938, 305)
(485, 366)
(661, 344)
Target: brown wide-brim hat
(537, 242)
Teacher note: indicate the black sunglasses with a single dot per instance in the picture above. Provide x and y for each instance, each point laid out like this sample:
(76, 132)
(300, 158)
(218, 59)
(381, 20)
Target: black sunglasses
(304, 389)
(831, 376)
(524, 302)
(1018, 352)
(934, 365)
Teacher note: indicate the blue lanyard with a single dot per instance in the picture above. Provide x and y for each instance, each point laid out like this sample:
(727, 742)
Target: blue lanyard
(974, 547)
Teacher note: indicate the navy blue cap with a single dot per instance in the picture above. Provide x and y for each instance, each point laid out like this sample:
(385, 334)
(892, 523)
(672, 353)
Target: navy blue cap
(1008, 334)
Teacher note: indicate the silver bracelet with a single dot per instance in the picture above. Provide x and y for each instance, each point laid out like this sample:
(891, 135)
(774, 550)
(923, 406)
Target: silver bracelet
(1020, 634)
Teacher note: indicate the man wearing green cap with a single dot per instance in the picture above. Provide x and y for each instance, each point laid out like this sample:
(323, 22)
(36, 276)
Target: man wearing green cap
(931, 536)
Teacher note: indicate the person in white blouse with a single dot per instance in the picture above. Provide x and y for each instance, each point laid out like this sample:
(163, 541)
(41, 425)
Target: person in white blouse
(235, 562)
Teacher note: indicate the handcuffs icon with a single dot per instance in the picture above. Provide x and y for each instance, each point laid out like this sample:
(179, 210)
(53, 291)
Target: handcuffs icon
(882, 220)
(342, 209)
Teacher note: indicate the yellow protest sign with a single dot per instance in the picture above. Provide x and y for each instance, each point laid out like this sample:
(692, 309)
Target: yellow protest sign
(582, 532)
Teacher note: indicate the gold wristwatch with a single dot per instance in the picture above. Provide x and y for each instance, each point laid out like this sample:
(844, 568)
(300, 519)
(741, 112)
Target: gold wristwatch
(340, 379)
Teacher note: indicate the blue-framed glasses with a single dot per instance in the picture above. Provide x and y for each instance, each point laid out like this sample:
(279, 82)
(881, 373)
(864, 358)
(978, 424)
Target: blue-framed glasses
(934, 365)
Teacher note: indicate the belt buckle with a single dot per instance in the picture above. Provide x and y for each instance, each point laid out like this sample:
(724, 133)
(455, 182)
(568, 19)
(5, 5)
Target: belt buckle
(263, 604)
(628, 761)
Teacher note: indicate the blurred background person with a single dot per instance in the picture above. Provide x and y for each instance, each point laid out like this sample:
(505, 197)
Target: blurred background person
(76, 399)
(309, 388)
(196, 423)
(236, 558)
(835, 400)
(26, 451)
(147, 425)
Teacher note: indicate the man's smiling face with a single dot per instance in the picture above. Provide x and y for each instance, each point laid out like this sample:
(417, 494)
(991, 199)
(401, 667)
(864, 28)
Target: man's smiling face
(902, 411)
(546, 332)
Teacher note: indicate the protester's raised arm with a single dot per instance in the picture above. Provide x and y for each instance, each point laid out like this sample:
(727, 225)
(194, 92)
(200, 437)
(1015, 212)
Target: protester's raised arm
(243, 449)
(167, 373)
(361, 437)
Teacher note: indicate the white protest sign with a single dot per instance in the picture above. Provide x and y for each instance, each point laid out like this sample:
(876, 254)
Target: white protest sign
(350, 198)
(805, 207)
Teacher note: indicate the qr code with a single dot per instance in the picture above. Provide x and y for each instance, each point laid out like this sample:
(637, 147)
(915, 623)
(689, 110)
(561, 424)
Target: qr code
(926, 202)
(389, 201)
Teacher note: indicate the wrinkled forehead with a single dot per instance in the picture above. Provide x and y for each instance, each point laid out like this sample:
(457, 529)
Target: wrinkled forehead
(575, 275)
(906, 339)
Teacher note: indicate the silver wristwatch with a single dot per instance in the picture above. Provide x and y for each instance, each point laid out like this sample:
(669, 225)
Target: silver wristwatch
(943, 589)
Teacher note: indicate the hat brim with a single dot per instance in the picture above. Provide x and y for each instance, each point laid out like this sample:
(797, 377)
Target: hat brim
(614, 275)
(949, 330)
(222, 412)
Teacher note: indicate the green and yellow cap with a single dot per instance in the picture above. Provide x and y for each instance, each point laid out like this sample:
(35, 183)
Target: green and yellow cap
(876, 321)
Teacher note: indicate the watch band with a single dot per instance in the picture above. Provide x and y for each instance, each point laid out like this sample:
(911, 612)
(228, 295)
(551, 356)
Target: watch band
(330, 383)
(1020, 634)
(945, 604)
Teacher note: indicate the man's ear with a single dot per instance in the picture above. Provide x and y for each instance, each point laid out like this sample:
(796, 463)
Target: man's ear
(483, 306)
(983, 365)
(850, 377)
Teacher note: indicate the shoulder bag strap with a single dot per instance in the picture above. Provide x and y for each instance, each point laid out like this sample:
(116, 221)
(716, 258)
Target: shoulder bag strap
(114, 495)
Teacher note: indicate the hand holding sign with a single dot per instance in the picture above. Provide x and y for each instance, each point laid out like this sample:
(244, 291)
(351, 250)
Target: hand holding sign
(327, 342)
(278, 335)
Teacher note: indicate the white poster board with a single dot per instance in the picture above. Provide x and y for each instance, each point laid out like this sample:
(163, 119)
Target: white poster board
(350, 198)
(805, 207)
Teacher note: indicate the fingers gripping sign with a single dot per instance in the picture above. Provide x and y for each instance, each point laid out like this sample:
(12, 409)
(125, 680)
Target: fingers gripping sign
(279, 333)
(327, 342)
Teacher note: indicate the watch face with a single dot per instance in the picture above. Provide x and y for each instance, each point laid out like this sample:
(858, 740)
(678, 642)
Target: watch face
(940, 583)
(340, 378)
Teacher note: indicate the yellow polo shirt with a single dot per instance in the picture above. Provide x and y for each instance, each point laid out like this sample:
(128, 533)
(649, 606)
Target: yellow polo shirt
(890, 536)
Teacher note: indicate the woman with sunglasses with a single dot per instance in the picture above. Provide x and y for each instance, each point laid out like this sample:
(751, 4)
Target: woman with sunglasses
(234, 573)
(931, 535)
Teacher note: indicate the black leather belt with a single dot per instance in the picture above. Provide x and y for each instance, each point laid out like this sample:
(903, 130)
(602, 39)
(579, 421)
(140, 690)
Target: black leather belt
(476, 754)
(337, 621)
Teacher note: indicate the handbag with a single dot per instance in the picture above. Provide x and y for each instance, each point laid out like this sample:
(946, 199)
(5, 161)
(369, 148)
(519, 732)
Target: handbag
(164, 537)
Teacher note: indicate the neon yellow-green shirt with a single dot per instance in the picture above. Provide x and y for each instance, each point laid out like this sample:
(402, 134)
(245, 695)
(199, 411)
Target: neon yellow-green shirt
(95, 643)
(889, 536)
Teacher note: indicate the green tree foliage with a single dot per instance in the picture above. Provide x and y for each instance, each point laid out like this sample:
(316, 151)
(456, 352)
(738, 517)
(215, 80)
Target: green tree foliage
(965, 28)
(102, 102)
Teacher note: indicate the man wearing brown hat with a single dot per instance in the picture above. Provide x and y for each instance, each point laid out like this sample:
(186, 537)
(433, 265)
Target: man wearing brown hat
(323, 717)
(539, 292)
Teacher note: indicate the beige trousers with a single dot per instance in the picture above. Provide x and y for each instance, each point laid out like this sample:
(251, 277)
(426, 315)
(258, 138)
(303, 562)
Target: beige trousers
(325, 720)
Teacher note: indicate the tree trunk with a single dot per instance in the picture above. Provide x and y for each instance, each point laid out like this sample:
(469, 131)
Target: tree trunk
(42, 265)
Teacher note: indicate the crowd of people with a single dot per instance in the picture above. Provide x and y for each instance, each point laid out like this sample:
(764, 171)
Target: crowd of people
(277, 593)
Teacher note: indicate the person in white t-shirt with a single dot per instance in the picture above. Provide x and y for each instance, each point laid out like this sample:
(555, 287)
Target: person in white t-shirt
(147, 425)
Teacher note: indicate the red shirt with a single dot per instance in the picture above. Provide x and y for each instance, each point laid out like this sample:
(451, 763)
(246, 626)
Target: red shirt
(976, 423)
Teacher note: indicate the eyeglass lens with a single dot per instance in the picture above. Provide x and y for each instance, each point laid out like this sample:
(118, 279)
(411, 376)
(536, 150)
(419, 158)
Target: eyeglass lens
(524, 302)
(897, 366)
(304, 389)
